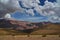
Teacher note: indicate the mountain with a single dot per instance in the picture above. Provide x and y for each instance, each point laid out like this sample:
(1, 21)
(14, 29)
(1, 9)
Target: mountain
(23, 25)
(16, 25)
(29, 27)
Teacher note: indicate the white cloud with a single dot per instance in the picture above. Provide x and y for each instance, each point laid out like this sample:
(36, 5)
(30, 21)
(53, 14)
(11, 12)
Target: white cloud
(30, 11)
(4, 1)
(54, 19)
(35, 18)
(49, 9)
(58, 1)
(7, 15)
(9, 6)
(29, 3)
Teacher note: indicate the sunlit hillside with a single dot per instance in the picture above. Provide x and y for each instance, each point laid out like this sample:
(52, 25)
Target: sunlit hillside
(14, 27)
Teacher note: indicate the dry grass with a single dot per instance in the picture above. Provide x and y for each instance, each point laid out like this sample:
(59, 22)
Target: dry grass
(36, 37)
(49, 29)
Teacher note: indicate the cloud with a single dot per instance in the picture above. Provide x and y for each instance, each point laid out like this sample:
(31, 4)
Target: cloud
(49, 9)
(34, 19)
(30, 11)
(4, 1)
(58, 1)
(7, 15)
(9, 6)
(29, 3)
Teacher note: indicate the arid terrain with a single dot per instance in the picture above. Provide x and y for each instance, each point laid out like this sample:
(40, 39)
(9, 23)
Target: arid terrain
(23, 30)
(24, 27)
(33, 37)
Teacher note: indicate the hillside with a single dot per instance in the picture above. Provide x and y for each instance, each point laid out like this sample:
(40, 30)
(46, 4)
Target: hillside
(24, 27)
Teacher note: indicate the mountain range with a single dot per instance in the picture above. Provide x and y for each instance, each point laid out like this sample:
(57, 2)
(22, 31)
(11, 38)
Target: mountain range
(29, 27)
(20, 25)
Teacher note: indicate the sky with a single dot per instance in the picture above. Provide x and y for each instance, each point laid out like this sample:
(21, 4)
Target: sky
(37, 11)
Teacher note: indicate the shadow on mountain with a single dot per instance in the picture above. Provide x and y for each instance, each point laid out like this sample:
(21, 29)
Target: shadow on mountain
(29, 27)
